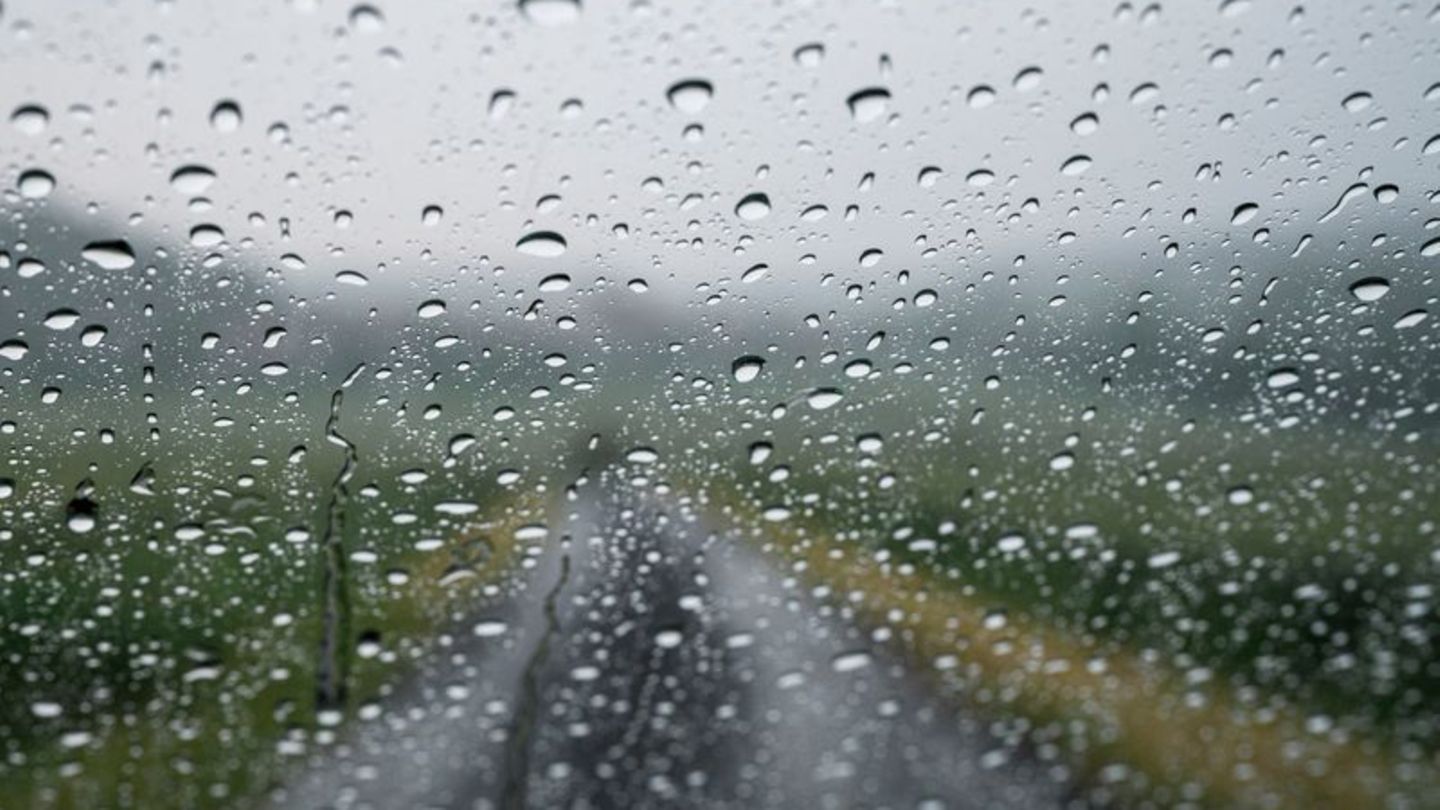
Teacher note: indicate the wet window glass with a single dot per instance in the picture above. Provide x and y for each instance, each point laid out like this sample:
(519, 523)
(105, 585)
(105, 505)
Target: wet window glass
(633, 403)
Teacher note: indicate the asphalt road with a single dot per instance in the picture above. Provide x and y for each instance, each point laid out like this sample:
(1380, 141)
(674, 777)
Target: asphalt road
(655, 662)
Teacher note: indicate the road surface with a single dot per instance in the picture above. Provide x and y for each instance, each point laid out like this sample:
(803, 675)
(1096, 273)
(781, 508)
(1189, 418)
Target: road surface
(656, 662)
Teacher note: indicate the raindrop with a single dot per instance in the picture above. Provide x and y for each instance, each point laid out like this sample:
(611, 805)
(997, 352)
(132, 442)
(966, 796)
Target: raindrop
(14, 349)
(225, 117)
(1028, 79)
(542, 244)
(753, 206)
(810, 55)
(824, 398)
(30, 119)
(1370, 289)
(433, 308)
(93, 335)
(1411, 319)
(642, 455)
(1085, 124)
(1244, 213)
(366, 19)
(1282, 378)
(868, 104)
(112, 254)
(747, 368)
(980, 178)
(1357, 102)
(432, 215)
(61, 319)
(191, 180)
(500, 103)
(555, 283)
(205, 236)
(980, 97)
(551, 12)
(850, 661)
(36, 184)
(1075, 166)
(691, 95)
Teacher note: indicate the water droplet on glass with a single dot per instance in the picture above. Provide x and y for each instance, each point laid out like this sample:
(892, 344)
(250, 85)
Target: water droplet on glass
(824, 398)
(1244, 213)
(366, 19)
(1370, 289)
(225, 117)
(542, 244)
(868, 104)
(36, 184)
(691, 95)
(30, 119)
(753, 206)
(61, 319)
(113, 254)
(1075, 166)
(810, 55)
(555, 283)
(980, 97)
(551, 12)
(1357, 102)
(747, 368)
(1028, 79)
(192, 180)
(1085, 124)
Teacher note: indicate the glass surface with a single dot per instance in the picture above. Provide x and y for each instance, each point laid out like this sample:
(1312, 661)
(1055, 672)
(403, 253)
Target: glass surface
(627, 403)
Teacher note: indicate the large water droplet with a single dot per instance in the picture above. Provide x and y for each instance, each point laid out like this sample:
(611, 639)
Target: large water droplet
(226, 116)
(192, 180)
(691, 95)
(868, 104)
(753, 206)
(112, 254)
(1075, 166)
(551, 12)
(1244, 213)
(1370, 289)
(30, 119)
(36, 184)
(824, 398)
(747, 368)
(543, 244)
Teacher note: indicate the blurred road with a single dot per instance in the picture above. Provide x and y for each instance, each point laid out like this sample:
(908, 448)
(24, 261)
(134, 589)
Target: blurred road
(658, 663)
